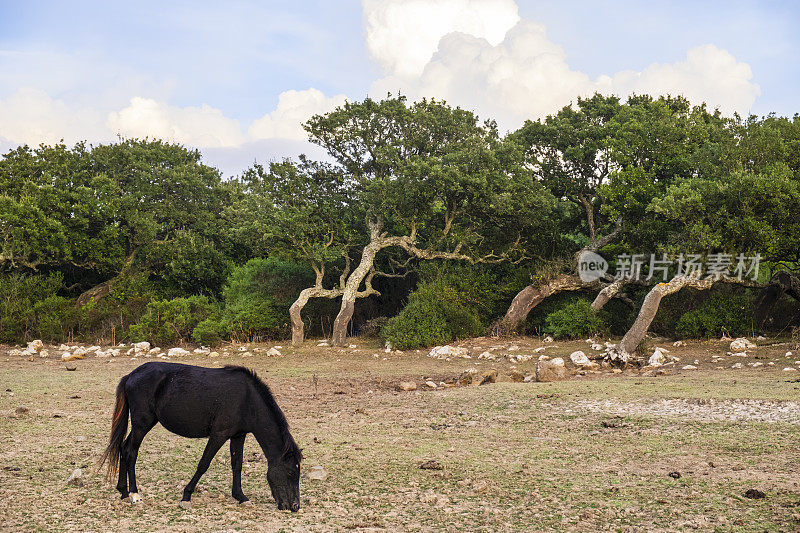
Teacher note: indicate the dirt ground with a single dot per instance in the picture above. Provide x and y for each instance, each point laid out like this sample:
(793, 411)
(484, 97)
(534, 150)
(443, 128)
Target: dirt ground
(665, 450)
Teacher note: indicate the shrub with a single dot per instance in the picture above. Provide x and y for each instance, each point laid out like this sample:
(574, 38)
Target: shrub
(30, 307)
(258, 295)
(576, 319)
(435, 314)
(208, 332)
(173, 321)
(720, 311)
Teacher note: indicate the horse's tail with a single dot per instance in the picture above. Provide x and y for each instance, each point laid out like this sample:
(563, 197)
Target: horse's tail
(119, 427)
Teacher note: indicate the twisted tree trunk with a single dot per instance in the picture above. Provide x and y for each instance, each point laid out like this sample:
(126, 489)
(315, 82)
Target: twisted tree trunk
(297, 307)
(530, 297)
(780, 284)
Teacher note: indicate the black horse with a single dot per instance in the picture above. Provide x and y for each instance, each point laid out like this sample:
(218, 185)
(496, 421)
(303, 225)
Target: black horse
(196, 402)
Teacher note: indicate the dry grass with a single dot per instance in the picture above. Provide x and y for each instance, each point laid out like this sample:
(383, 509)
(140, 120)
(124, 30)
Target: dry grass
(516, 456)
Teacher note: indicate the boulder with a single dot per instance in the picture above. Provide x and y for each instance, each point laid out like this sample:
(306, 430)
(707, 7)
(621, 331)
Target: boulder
(66, 356)
(273, 352)
(178, 352)
(486, 355)
(658, 358)
(443, 352)
(579, 358)
(741, 344)
(141, 347)
(431, 384)
(551, 370)
(490, 376)
(35, 346)
(516, 376)
(407, 386)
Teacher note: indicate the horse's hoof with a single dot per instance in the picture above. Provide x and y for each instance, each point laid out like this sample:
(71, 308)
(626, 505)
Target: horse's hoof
(185, 504)
(246, 503)
(135, 498)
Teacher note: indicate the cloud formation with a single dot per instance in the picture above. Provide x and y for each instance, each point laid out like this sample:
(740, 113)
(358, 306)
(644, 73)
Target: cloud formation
(526, 75)
(294, 108)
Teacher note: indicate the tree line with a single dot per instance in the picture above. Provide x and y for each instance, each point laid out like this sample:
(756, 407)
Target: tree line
(421, 213)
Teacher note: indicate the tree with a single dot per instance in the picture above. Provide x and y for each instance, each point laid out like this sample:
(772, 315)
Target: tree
(426, 177)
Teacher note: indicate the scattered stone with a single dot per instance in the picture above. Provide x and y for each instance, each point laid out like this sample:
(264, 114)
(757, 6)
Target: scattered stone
(689, 367)
(579, 358)
(44, 353)
(548, 339)
(516, 376)
(486, 355)
(431, 465)
(741, 344)
(597, 347)
(76, 478)
(519, 357)
(323, 344)
(443, 352)
(737, 354)
(788, 354)
(66, 356)
(540, 349)
(551, 370)
(317, 473)
(407, 386)
(35, 346)
(177, 352)
(21, 410)
(273, 352)
(247, 354)
(72, 367)
(675, 475)
(737, 365)
(467, 376)
(513, 348)
(431, 384)
(529, 378)
(789, 369)
(141, 347)
(490, 376)
(658, 358)
(678, 344)
(754, 494)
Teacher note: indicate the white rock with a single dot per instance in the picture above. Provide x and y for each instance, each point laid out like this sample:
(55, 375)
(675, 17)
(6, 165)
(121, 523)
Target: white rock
(101, 354)
(35, 346)
(788, 354)
(177, 352)
(44, 353)
(273, 352)
(318, 473)
(737, 354)
(80, 350)
(431, 384)
(131, 351)
(63, 348)
(579, 358)
(351, 346)
(141, 347)
(548, 339)
(757, 364)
(557, 361)
(689, 367)
(200, 350)
(486, 355)
(678, 344)
(737, 365)
(513, 348)
(519, 357)
(544, 357)
(540, 349)
(741, 344)
(322, 344)
(66, 356)
(658, 358)
(214, 354)
(92, 349)
(114, 352)
(789, 369)
(597, 347)
(76, 478)
(761, 338)
(442, 352)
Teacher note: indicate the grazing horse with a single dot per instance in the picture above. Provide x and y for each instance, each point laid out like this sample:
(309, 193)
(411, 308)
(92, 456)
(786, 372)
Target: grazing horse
(191, 401)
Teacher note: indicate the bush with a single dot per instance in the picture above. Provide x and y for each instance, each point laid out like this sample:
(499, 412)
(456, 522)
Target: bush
(435, 314)
(208, 332)
(574, 320)
(258, 295)
(173, 321)
(30, 308)
(720, 311)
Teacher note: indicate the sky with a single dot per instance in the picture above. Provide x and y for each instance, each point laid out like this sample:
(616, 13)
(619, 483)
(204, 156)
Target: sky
(238, 80)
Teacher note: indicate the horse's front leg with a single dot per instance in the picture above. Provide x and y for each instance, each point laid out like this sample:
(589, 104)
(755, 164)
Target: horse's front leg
(237, 452)
(212, 447)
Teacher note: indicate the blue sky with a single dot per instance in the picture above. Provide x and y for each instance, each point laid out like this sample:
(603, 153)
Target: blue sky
(236, 80)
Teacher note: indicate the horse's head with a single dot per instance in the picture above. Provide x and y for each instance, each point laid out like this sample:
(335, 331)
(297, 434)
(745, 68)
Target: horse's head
(283, 475)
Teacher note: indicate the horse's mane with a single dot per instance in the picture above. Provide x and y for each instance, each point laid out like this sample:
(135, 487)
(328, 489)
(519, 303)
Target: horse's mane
(289, 445)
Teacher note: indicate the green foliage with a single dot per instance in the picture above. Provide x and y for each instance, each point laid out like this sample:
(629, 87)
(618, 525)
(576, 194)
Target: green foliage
(30, 308)
(436, 313)
(173, 321)
(208, 332)
(258, 295)
(719, 314)
(574, 320)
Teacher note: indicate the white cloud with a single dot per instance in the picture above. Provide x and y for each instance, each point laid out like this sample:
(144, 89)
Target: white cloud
(31, 116)
(402, 35)
(526, 75)
(202, 126)
(294, 108)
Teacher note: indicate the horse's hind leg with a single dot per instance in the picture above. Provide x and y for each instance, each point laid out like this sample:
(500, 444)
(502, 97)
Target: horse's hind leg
(122, 484)
(136, 437)
(237, 451)
(212, 447)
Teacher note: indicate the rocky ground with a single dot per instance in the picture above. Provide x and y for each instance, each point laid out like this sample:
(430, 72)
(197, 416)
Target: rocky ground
(489, 434)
